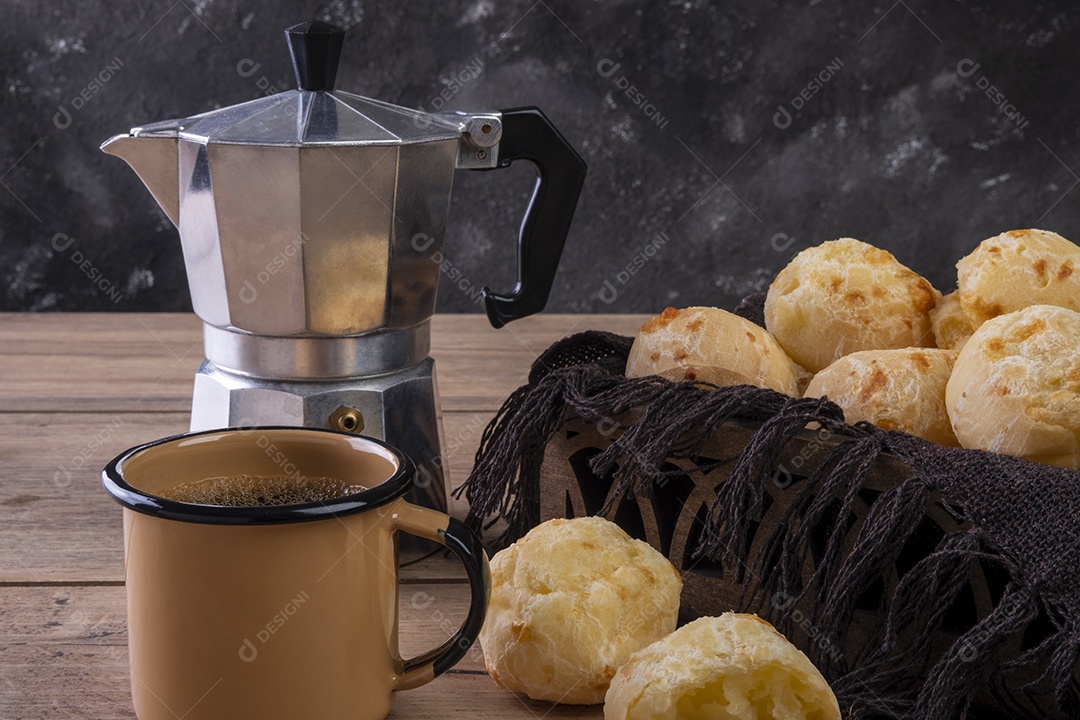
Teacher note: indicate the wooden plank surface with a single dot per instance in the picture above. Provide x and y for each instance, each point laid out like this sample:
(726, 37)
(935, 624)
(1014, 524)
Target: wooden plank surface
(76, 389)
(63, 654)
(147, 363)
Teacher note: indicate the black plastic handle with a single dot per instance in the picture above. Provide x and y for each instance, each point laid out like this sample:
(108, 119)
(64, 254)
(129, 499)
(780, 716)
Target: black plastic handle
(527, 134)
(464, 543)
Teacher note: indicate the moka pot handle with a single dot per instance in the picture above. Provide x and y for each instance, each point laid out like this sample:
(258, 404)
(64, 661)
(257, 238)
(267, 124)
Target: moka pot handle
(528, 135)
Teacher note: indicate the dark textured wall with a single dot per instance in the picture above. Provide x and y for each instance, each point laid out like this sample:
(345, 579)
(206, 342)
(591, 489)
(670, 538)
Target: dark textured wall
(751, 130)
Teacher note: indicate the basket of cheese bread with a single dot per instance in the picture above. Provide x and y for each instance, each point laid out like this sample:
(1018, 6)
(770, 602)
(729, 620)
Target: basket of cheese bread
(886, 474)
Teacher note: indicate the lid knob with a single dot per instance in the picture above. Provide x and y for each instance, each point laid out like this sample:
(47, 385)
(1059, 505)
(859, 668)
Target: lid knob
(315, 48)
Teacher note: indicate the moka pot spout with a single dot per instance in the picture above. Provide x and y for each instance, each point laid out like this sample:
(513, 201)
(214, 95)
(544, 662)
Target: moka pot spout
(153, 156)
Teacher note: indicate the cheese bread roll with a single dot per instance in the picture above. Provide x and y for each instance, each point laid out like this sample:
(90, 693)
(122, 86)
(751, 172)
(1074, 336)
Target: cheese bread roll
(712, 345)
(1015, 387)
(734, 666)
(893, 389)
(1016, 269)
(844, 296)
(952, 328)
(570, 602)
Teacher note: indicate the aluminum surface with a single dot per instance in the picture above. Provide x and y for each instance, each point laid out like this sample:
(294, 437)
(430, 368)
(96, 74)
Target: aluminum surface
(316, 358)
(311, 213)
(303, 118)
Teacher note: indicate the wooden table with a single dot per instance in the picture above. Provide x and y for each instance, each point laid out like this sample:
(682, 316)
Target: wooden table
(76, 389)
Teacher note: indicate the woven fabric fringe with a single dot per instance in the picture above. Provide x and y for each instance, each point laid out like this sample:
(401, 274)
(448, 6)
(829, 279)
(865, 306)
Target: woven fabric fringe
(1021, 518)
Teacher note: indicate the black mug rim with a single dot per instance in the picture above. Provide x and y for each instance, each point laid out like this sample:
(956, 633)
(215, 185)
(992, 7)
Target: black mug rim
(140, 501)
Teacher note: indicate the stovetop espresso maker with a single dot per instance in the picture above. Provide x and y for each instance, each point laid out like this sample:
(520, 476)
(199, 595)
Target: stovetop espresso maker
(312, 225)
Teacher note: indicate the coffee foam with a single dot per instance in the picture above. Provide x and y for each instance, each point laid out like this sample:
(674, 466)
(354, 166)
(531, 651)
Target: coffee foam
(258, 491)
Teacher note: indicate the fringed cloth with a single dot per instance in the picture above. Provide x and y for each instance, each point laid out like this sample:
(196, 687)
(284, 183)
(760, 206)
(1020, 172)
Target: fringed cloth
(1021, 518)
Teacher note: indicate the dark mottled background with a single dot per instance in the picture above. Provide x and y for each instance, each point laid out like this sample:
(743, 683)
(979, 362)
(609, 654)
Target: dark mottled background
(897, 138)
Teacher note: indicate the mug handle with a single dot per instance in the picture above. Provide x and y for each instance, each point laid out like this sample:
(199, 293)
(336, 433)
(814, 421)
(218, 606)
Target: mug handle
(437, 526)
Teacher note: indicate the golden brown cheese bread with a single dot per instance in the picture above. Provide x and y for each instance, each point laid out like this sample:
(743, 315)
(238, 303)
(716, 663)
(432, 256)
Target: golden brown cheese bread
(736, 667)
(844, 296)
(570, 602)
(711, 345)
(1016, 269)
(952, 328)
(893, 389)
(1015, 387)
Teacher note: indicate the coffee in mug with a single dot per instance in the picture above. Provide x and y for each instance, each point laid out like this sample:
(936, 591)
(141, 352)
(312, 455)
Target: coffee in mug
(259, 490)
